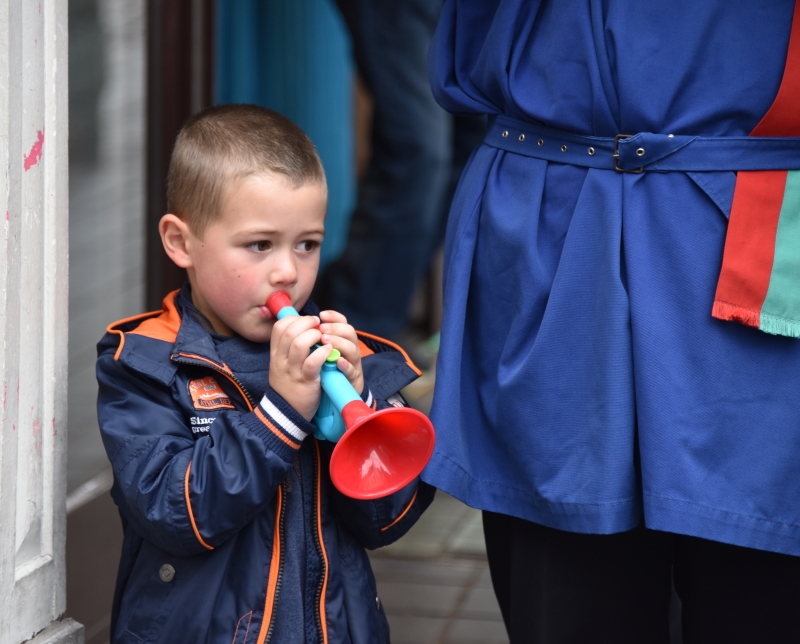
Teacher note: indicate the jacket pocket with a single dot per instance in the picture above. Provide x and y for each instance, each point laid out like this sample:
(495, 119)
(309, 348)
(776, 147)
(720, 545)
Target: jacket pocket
(150, 595)
(242, 633)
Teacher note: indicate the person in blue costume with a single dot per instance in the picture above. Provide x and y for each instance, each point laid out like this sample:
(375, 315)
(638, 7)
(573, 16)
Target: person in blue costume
(610, 429)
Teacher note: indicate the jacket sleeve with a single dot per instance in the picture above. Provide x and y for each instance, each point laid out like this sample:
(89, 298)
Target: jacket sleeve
(188, 496)
(379, 522)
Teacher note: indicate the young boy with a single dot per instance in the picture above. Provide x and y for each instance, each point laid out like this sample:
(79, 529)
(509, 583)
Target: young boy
(233, 531)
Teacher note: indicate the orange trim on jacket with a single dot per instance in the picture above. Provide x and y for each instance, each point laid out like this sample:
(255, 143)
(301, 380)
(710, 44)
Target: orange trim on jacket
(394, 346)
(189, 508)
(165, 326)
(274, 569)
(275, 430)
(322, 614)
(408, 507)
(160, 325)
(363, 349)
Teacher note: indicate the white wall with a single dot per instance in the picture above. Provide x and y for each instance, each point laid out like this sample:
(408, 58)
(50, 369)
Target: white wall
(33, 315)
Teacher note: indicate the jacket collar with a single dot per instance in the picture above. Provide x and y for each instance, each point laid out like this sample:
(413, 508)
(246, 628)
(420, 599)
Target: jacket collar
(194, 334)
(179, 323)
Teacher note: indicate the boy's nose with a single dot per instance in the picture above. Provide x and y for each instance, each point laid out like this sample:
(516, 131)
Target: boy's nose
(283, 269)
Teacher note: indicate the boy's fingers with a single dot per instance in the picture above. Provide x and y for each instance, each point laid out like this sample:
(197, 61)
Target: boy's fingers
(286, 331)
(333, 317)
(344, 346)
(301, 345)
(345, 367)
(343, 337)
(314, 361)
(339, 329)
(289, 327)
(351, 373)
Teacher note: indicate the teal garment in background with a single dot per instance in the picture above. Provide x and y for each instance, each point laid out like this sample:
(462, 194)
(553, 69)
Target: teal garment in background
(294, 57)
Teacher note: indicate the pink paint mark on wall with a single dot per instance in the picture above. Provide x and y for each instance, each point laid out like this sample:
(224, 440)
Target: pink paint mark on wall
(32, 158)
(37, 427)
(55, 430)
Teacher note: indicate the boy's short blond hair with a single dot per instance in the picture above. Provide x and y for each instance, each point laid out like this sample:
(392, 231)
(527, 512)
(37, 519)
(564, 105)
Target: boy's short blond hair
(226, 143)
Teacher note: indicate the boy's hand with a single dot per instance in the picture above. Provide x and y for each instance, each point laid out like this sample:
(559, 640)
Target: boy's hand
(293, 371)
(339, 334)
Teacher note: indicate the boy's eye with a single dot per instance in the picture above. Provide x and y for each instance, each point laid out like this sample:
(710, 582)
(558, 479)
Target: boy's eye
(308, 246)
(259, 246)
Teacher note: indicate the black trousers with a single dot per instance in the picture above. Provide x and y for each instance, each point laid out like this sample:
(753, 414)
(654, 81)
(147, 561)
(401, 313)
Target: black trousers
(560, 587)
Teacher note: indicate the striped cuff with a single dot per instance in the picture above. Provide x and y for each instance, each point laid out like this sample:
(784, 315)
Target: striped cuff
(367, 397)
(281, 427)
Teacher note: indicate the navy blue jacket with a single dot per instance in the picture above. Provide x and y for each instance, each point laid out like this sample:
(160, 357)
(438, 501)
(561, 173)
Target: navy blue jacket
(203, 477)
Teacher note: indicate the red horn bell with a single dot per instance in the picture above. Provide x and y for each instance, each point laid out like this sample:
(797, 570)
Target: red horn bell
(382, 451)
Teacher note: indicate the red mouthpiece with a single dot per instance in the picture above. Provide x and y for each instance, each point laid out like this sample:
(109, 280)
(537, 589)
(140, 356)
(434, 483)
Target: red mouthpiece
(277, 301)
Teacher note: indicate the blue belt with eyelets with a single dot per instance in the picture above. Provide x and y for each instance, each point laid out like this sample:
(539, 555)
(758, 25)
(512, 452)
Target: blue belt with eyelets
(645, 151)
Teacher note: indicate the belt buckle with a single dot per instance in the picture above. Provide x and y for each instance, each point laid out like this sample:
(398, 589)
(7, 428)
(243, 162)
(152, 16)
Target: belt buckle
(616, 155)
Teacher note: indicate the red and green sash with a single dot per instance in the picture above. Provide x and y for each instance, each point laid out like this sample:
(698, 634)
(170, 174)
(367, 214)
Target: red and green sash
(759, 284)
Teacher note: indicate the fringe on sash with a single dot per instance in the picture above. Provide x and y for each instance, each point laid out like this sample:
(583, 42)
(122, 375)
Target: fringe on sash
(736, 313)
(780, 326)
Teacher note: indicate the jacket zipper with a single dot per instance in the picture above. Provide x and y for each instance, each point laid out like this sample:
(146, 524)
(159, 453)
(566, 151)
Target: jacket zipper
(280, 570)
(319, 598)
(205, 362)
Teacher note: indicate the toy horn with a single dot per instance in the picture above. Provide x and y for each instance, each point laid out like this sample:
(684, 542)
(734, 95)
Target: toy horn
(381, 451)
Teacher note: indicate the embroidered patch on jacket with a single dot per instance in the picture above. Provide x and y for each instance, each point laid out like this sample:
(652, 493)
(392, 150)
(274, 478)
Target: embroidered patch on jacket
(207, 394)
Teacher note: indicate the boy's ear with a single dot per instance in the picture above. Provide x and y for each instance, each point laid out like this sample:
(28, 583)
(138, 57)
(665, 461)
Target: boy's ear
(176, 238)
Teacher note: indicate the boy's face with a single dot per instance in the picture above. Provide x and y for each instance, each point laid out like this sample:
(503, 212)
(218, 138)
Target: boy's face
(266, 239)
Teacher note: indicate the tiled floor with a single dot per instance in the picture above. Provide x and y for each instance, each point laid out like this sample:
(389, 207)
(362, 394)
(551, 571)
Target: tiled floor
(434, 583)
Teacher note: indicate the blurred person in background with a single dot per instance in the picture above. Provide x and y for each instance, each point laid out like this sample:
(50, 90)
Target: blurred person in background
(417, 153)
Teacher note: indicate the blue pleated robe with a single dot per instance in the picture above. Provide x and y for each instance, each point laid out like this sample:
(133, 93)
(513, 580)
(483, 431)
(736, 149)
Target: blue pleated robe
(582, 382)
